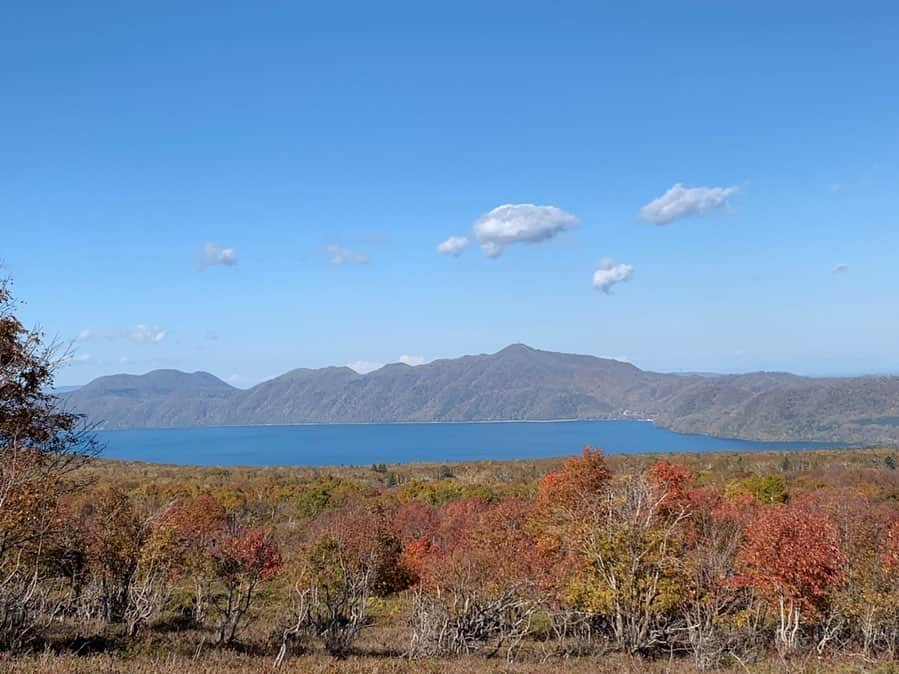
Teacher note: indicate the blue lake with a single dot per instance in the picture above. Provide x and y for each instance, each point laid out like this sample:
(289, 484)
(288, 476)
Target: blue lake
(364, 444)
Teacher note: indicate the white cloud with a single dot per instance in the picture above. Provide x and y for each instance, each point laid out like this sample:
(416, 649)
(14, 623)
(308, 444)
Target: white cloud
(608, 274)
(455, 246)
(620, 359)
(338, 255)
(210, 254)
(520, 223)
(364, 366)
(146, 334)
(78, 358)
(840, 268)
(140, 333)
(836, 187)
(412, 360)
(681, 202)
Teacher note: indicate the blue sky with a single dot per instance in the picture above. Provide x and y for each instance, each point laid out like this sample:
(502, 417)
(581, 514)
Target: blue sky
(321, 154)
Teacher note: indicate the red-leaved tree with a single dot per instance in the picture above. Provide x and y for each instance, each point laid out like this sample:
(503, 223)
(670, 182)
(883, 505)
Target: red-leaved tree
(241, 562)
(791, 557)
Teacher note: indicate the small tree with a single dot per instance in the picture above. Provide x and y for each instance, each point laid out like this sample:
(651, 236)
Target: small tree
(791, 556)
(350, 554)
(189, 529)
(634, 573)
(576, 487)
(241, 562)
(864, 605)
(715, 609)
(618, 546)
(153, 579)
(112, 534)
(481, 578)
(40, 442)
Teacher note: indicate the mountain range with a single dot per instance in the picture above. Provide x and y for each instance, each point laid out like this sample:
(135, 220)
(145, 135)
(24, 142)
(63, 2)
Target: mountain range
(516, 383)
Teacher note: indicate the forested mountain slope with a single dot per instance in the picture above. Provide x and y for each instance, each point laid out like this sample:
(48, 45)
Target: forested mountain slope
(516, 383)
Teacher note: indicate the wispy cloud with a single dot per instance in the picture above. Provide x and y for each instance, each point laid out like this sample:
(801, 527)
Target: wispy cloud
(455, 246)
(520, 223)
(211, 254)
(146, 334)
(608, 274)
(364, 366)
(140, 333)
(338, 255)
(840, 268)
(681, 202)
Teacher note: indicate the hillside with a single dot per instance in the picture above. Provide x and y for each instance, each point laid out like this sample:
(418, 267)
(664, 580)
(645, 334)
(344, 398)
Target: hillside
(158, 398)
(517, 382)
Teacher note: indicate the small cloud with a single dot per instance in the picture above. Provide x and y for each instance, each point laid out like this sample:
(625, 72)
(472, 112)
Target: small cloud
(412, 360)
(620, 359)
(80, 358)
(364, 366)
(608, 274)
(681, 202)
(455, 246)
(123, 359)
(837, 187)
(211, 336)
(520, 223)
(210, 254)
(140, 333)
(338, 255)
(146, 334)
(840, 268)
(235, 379)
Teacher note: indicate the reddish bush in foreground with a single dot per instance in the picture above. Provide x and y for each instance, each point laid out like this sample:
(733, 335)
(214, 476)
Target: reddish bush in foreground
(791, 556)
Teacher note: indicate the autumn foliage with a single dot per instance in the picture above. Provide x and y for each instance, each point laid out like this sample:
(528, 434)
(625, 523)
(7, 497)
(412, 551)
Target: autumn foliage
(722, 565)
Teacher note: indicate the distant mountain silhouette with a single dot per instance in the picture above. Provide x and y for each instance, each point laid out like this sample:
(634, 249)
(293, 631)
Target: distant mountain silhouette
(516, 383)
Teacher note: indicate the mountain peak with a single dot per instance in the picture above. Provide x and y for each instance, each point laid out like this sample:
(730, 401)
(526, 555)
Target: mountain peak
(518, 347)
(163, 379)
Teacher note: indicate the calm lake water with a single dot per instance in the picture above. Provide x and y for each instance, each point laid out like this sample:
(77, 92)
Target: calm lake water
(364, 444)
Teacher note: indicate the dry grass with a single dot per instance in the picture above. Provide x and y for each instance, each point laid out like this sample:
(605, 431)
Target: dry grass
(224, 662)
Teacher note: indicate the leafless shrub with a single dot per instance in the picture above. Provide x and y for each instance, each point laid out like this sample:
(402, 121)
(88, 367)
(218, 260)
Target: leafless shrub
(578, 633)
(461, 621)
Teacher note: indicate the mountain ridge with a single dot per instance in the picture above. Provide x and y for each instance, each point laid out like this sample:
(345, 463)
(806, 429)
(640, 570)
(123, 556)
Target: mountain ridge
(515, 383)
